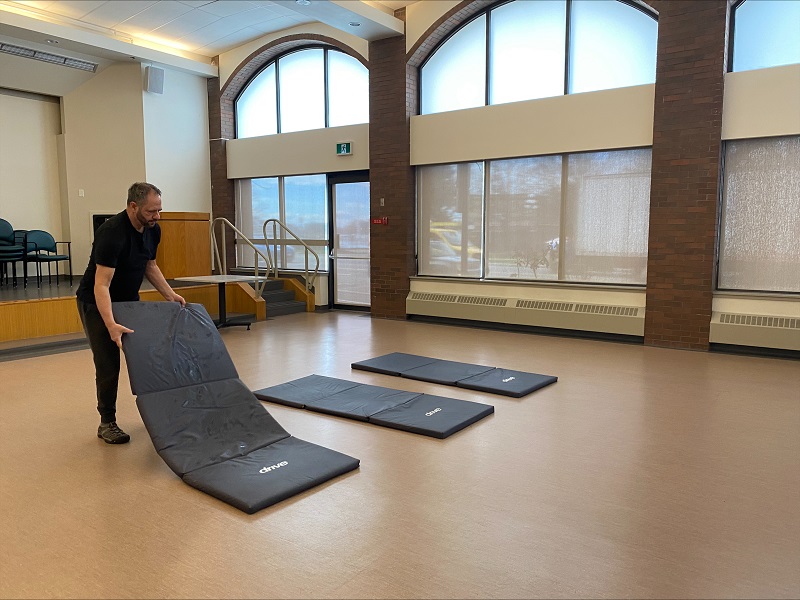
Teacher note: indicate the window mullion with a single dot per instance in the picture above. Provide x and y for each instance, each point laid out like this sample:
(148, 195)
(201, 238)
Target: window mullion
(562, 220)
(484, 214)
(567, 30)
(282, 200)
(325, 85)
(278, 95)
(487, 70)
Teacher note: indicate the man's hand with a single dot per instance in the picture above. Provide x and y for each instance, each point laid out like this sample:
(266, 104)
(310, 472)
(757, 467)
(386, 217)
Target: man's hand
(177, 298)
(116, 331)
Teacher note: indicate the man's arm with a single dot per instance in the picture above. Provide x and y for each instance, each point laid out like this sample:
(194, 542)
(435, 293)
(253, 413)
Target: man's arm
(156, 277)
(102, 296)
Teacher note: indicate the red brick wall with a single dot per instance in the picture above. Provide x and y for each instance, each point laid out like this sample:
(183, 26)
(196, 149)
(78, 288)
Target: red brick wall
(222, 188)
(392, 246)
(684, 197)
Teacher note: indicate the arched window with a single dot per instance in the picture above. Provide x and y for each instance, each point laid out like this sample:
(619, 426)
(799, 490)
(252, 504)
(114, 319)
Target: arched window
(306, 89)
(527, 50)
(765, 34)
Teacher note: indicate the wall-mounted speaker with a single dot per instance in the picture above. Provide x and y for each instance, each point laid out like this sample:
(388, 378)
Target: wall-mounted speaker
(154, 80)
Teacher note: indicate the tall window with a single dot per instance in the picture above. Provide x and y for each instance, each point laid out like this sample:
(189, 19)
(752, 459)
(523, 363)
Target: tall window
(540, 49)
(451, 219)
(299, 201)
(765, 34)
(759, 248)
(307, 89)
(574, 217)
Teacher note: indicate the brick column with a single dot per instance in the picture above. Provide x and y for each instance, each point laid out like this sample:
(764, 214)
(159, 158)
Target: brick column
(392, 252)
(220, 129)
(684, 196)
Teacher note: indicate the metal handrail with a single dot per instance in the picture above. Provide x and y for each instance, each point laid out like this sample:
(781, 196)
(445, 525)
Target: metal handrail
(222, 263)
(309, 281)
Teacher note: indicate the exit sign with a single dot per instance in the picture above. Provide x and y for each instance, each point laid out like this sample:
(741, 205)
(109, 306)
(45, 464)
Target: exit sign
(344, 148)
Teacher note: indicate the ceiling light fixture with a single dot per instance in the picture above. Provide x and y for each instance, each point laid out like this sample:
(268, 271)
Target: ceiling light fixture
(303, 2)
(54, 42)
(55, 59)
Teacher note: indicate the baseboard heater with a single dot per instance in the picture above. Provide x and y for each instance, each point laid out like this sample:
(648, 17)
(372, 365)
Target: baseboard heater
(762, 331)
(579, 316)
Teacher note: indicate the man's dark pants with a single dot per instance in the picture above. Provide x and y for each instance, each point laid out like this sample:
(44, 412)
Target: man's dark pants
(106, 360)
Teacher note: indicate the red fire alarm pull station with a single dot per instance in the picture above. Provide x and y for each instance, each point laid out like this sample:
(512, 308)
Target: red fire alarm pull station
(380, 221)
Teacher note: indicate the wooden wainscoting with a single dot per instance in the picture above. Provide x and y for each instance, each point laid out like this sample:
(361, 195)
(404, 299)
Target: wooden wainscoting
(28, 319)
(25, 319)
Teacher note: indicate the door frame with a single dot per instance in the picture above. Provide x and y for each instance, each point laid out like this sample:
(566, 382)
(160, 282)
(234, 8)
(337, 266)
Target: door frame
(334, 179)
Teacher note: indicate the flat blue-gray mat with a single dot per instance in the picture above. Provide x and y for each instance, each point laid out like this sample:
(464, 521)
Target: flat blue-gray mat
(435, 416)
(493, 380)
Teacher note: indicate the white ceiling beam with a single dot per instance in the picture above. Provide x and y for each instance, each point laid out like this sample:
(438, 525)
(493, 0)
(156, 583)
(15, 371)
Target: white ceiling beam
(15, 23)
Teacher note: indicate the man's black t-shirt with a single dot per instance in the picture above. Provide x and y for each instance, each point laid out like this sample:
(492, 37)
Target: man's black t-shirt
(119, 246)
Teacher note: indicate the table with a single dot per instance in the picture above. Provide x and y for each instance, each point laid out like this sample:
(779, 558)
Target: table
(221, 280)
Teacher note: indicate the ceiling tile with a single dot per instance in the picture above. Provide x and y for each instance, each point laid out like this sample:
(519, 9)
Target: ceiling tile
(187, 23)
(217, 30)
(224, 8)
(278, 8)
(229, 42)
(40, 5)
(155, 16)
(279, 24)
(114, 13)
(242, 19)
(196, 3)
(73, 9)
(256, 15)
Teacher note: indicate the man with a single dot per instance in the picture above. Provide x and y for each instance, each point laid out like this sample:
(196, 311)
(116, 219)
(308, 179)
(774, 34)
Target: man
(123, 253)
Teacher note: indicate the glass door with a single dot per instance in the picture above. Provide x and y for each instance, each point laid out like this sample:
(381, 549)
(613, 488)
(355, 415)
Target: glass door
(350, 244)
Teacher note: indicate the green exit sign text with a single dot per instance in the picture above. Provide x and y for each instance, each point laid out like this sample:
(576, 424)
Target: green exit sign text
(344, 148)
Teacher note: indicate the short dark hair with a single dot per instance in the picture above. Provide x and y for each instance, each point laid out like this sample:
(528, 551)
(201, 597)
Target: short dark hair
(139, 191)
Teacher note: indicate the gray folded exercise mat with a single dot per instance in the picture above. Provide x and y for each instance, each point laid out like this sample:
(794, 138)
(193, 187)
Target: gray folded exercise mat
(203, 421)
(493, 380)
(425, 414)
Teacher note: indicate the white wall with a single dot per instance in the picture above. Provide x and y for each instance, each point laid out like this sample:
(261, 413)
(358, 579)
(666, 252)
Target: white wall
(230, 61)
(299, 153)
(104, 149)
(619, 118)
(115, 134)
(176, 142)
(761, 103)
(29, 182)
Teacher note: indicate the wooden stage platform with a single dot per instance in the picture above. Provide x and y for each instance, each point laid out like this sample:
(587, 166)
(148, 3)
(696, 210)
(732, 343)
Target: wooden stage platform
(45, 315)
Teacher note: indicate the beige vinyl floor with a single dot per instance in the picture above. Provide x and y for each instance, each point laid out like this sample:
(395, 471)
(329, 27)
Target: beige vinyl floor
(642, 473)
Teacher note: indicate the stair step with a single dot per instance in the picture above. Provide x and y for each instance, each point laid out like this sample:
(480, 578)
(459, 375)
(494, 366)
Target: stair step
(271, 297)
(270, 285)
(275, 309)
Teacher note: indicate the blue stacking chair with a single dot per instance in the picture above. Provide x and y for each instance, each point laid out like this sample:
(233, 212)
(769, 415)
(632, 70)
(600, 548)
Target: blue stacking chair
(43, 249)
(12, 250)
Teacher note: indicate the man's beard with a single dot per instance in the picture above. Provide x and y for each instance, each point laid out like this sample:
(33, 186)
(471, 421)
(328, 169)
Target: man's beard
(143, 221)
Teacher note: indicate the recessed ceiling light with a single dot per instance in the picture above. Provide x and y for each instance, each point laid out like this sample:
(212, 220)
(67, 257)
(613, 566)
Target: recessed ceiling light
(54, 42)
(303, 2)
(354, 24)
